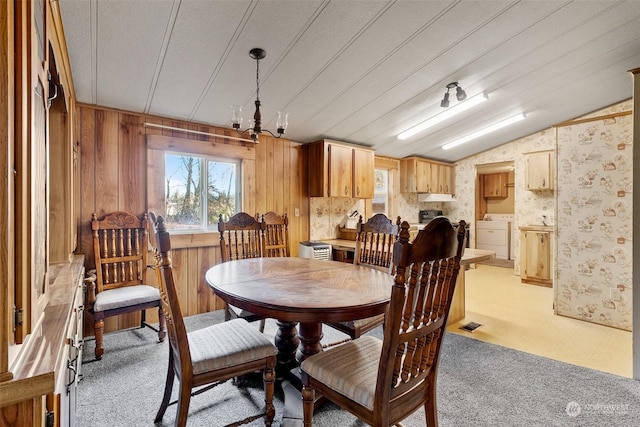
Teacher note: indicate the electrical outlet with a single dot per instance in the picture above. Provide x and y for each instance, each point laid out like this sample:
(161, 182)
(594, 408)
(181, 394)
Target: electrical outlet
(296, 212)
(614, 294)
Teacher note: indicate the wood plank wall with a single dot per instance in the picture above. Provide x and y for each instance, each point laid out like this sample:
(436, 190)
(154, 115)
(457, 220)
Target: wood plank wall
(114, 177)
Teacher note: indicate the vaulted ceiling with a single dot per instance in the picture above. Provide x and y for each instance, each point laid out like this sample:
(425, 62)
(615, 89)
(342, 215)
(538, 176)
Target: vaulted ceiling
(357, 71)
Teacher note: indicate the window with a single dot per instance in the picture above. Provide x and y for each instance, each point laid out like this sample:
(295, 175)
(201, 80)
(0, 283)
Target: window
(381, 191)
(198, 189)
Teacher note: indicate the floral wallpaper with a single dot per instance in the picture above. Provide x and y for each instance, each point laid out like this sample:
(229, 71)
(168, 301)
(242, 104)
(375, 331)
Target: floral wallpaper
(595, 221)
(328, 212)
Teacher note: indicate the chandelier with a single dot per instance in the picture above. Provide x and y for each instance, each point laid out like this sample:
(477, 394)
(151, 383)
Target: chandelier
(255, 128)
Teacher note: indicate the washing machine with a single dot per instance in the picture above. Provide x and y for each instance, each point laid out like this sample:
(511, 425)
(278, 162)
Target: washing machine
(493, 233)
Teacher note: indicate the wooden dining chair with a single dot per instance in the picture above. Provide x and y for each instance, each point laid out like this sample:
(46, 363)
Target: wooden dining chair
(240, 238)
(120, 255)
(275, 235)
(374, 247)
(210, 355)
(383, 381)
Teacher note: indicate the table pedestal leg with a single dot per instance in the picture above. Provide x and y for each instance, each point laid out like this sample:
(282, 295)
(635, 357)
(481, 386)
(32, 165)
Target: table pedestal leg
(310, 335)
(287, 342)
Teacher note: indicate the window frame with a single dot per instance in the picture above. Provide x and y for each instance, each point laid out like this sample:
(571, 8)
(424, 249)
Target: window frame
(203, 178)
(158, 145)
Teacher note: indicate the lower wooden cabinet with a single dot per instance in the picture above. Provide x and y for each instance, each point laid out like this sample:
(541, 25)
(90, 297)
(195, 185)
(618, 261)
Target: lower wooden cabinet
(536, 260)
(42, 391)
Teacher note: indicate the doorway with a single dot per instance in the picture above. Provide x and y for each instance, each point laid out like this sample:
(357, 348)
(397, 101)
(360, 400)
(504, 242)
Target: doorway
(495, 208)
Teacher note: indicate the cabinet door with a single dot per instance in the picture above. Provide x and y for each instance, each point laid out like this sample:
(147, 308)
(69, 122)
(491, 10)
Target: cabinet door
(340, 171)
(423, 177)
(363, 173)
(540, 171)
(489, 185)
(495, 185)
(447, 177)
(437, 174)
(537, 256)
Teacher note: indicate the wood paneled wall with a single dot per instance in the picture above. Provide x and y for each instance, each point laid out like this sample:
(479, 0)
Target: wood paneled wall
(114, 177)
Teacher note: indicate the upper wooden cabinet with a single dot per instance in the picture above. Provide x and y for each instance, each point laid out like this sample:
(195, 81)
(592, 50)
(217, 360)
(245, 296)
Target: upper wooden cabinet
(418, 175)
(340, 170)
(539, 170)
(442, 178)
(495, 185)
(363, 173)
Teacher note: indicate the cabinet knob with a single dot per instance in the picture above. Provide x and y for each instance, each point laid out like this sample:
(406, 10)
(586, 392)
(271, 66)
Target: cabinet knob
(346, 190)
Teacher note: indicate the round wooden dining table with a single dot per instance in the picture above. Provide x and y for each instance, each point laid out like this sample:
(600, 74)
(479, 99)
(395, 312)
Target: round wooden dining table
(301, 291)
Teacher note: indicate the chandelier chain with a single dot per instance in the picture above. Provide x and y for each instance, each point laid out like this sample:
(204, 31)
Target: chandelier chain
(258, 79)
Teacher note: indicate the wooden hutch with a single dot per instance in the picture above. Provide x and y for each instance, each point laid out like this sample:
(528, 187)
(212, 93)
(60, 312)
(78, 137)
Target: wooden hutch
(40, 277)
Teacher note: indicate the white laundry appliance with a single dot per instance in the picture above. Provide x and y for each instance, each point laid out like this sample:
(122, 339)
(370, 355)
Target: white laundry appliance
(493, 233)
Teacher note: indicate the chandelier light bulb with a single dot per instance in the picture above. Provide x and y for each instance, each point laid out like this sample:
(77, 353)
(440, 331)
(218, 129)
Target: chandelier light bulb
(236, 116)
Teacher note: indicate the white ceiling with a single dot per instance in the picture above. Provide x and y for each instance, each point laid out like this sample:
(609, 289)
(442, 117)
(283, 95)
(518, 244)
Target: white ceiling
(357, 71)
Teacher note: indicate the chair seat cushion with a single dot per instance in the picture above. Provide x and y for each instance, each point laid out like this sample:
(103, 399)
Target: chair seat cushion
(227, 344)
(351, 368)
(123, 297)
(365, 323)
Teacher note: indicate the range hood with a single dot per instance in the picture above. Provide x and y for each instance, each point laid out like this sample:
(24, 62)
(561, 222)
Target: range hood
(435, 197)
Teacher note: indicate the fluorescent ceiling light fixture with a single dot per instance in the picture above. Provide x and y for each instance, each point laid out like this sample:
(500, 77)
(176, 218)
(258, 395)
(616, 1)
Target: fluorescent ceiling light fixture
(457, 109)
(484, 131)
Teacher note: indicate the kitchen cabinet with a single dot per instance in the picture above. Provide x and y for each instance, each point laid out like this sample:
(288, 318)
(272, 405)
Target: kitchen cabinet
(363, 173)
(51, 365)
(340, 170)
(535, 244)
(418, 175)
(540, 167)
(495, 185)
(442, 178)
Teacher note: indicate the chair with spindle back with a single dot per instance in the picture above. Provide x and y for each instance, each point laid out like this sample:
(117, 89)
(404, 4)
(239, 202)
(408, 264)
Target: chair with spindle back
(275, 235)
(209, 356)
(384, 381)
(120, 255)
(374, 247)
(240, 238)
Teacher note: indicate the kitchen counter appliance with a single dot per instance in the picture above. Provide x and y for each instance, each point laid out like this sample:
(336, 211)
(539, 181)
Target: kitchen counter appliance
(425, 216)
(314, 250)
(493, 233)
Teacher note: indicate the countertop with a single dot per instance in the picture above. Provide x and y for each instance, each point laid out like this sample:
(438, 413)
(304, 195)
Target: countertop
(469, 256)
(536, 228)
